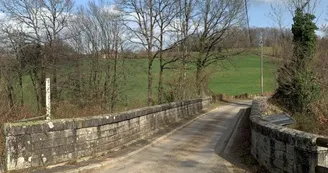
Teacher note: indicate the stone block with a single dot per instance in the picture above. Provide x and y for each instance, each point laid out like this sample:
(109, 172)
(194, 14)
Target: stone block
(323, 157)
(63, 157)
(108, 127)
(49, 142)
(108, 133)
(88, 130)
(280, 146)
(58, 142)
(85, 145)
(291, 151)
(90, 122)
(87, 137)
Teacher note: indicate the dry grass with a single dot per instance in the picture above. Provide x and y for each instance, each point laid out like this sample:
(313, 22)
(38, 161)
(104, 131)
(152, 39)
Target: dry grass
(315, 122)
(66, 109)
(320, 116)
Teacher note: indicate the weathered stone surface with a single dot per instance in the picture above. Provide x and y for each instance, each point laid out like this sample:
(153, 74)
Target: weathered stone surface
(281, 149)
(51, 142)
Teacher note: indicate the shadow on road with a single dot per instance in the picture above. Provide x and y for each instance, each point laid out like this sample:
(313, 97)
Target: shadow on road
(235, 102)
(238, 149)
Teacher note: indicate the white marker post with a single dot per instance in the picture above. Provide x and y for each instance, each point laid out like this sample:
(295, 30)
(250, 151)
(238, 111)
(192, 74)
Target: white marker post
(48, 103)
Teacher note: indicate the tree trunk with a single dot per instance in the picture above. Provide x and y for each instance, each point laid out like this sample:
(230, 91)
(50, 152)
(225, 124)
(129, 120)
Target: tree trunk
(106, 86)
(41, 79)
(10, 92)
(32, 76)
(42, 90)
(198, 79)
(79, 81)
(150, 56)
(150, 79)
(54, 91)
(20, 78)
(95, 74)
(124, 82)
(184, 73)
(160, 83)
(160, 80)
(114, 90)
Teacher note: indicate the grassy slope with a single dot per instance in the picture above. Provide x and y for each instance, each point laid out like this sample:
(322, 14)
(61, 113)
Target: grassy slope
(243, 76)
(238, 75)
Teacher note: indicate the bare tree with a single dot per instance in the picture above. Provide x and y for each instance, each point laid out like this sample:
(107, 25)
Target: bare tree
(279, 12)
(183, 27)
(111, 27)
(8, 75)
(279, 9)
(100, 29)
(165, 14)
(308, 6)
(15, 40)
(277, 15)
(215, 19)
(141, 22)
(54, 17)
(26, 14)
(91, 40)
(40, 22)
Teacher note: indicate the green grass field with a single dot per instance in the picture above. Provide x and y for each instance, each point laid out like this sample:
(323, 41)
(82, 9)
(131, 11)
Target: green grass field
(237, 75)
(242, 75)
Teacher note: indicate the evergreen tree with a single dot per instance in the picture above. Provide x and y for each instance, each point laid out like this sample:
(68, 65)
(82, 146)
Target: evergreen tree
(297, 87)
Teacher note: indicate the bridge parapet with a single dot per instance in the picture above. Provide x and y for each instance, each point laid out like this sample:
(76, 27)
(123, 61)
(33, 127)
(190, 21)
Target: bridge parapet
(281, 149)
(42, 143)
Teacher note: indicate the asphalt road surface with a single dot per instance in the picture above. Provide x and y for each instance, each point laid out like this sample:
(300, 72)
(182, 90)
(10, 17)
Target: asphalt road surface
(189, 150)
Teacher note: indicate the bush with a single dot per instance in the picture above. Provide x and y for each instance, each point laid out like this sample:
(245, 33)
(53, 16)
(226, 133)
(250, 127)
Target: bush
(306, 91)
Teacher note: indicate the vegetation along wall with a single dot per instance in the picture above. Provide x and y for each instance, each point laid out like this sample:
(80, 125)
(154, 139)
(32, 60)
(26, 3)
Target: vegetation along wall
(283, 150)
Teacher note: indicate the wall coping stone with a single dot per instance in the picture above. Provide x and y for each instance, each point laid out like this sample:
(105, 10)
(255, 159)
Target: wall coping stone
(22, 128)
(49, 142)
(280, 133)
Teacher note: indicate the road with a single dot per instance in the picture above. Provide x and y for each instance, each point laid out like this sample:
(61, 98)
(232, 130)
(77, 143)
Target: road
(190, 149)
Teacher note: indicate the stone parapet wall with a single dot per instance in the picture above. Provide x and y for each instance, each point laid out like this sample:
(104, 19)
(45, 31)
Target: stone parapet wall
(283, 150)
(35, 144)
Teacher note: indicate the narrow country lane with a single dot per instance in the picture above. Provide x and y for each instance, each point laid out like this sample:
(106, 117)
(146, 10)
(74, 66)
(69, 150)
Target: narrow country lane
(190, 149)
